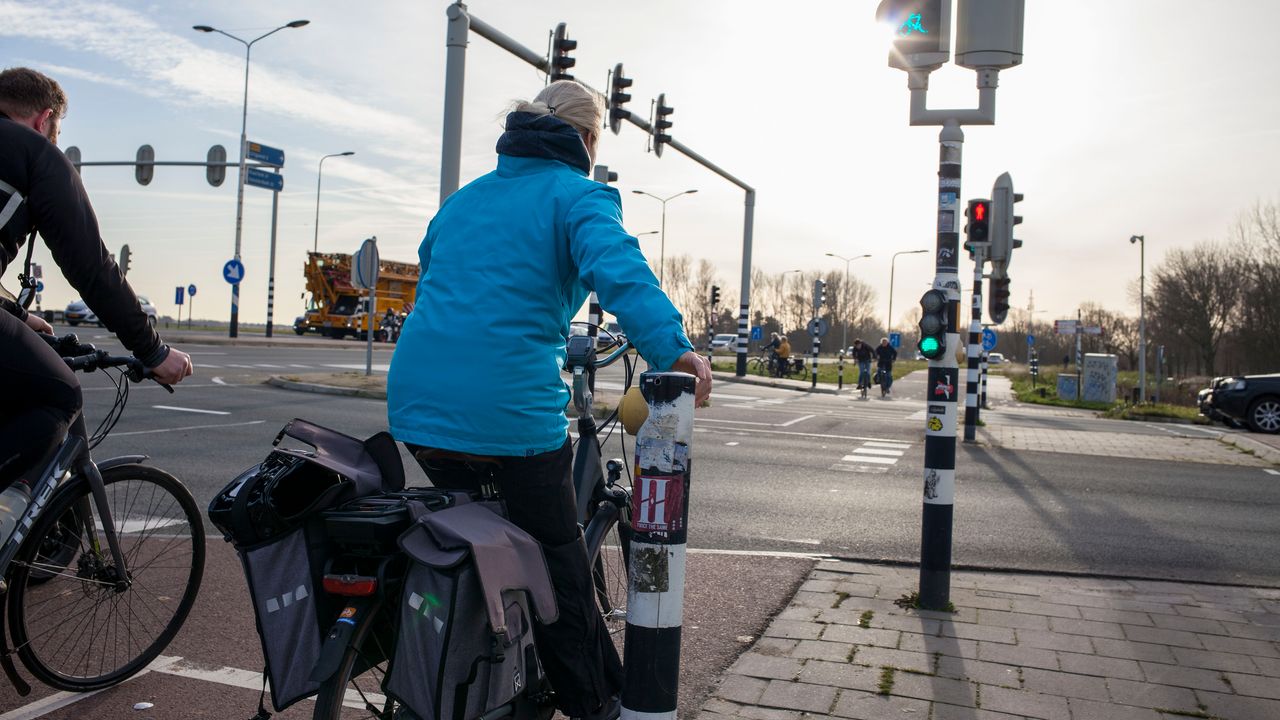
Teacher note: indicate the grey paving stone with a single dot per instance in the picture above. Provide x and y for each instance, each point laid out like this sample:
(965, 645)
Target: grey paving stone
(942, 711)
(767, 666)
(1150, 695)
(1133, 650)
(723, 707)
(839, 674)
(962, 614)
(1183, 676)
(820, 650)
(1093, 710)
(861, 636)
(1092, 628)
(855, 589)
(1267, 666)
(1013, 655)
(1054, 641)
(1128, 617)
(1261, 648)
(708, 715)
(813, 599)
(1053, 682)
(1021, 702)
(1210, 660)
(1255, 632)
(969, 631)
(924, 626)
(740, 689)
(763, 713)
(955, 647)
(1146, 607)
(794, 629)
(869, 706)
(798, 696)
(1101, 666)
(1016, 620)
(1190, 624)
(979, 671)
(1037, 607)
(1212, 613)
(969, 598)
(1255, 685)
(1160, 636)
(902, 659)
(774, 646)
(1237, 707)
(803, 614)
(823, 586)
(937, 689)
(842, 616)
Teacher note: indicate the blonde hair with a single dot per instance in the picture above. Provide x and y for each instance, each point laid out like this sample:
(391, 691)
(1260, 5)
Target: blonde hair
(571, 102)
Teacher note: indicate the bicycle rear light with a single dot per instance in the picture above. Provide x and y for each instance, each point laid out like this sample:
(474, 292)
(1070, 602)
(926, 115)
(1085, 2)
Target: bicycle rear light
(350, 585)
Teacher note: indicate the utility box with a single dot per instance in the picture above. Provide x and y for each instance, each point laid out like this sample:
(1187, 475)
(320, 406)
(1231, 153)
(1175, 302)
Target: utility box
(989, 33)
(1068, 386)
(1099, 381)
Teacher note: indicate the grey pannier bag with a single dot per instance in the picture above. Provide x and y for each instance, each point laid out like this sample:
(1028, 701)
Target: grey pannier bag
(464, 644)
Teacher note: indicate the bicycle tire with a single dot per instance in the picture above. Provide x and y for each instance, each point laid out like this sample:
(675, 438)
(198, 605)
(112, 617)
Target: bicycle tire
(155, 518)
(363, 671)
(610, 555)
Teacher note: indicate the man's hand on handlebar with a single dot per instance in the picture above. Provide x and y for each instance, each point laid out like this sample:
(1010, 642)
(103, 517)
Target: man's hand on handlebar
(37, 323)
(176, 366)
(696, 365)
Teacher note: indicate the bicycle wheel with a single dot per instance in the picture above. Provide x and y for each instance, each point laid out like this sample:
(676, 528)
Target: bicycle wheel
(355, 690)
(610, 553)
(72, 628)
(757, 365)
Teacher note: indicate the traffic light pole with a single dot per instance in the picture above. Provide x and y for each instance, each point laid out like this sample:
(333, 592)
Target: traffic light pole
(974, 354)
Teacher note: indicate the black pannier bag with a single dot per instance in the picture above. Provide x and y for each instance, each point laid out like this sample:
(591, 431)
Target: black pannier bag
(464, 642)
(271, 513)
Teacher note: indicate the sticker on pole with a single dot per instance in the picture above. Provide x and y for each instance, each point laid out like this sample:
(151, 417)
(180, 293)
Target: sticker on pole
(233, 271)
(988, 339)
(658, 503)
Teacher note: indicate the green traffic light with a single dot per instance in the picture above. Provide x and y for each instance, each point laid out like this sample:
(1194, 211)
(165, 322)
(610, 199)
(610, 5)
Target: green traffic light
(930, 347)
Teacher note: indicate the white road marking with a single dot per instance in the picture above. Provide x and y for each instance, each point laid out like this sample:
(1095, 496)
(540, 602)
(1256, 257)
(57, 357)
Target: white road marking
(1273, 472)
(244, 367)
(268, 365)
(59, 700)
(916, 415)
(219, 381)
(798, 541)
(701, 427)
(789, 423)
(890, 445)
(732, 444)
(380, 367)
(878, 451)
(204, 366)
(206, 352)
(869, 459)
(871, 469)
(193, 410)
(189, 427)
(300, 366)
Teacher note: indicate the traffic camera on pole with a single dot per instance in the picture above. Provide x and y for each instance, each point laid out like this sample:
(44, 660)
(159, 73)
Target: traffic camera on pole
(921, 32)
(998, 304)
(1003, 218)
(819, 293)
(561, 46)
(715, 296)
(978, 228)
(618, 96)
(661, 111)
(933, 324)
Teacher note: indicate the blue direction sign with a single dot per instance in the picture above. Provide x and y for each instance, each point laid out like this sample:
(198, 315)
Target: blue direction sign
(191, 290)
(258, 177)
(39, 286)
(1031, 340)
(177, 295)
(757, 332)
(233, 271)
(988, 339)
(895, 339)
(265, 154)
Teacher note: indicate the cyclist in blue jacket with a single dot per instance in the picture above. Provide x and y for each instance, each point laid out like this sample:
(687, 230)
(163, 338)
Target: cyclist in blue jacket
(507, 261)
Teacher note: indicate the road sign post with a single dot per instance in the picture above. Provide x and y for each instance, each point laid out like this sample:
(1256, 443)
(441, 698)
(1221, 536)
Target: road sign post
(191, 293)
(364, 275)
(271, 262)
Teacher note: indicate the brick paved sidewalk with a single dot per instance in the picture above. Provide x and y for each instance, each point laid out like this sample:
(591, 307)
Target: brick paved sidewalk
(1034, 646)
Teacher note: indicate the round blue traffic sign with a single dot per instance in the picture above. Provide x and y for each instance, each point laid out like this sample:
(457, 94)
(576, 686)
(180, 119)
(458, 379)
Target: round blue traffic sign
(191, 289)
(1031, 340)
(233, 271)
(39, 286)
(988, 339)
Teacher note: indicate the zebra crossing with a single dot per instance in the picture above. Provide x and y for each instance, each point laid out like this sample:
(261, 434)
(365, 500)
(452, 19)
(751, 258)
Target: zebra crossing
(873, 456)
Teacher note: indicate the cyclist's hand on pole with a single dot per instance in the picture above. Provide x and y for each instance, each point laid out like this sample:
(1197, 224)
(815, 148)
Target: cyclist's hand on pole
(37, 323)
(176, 366)
(696, 365)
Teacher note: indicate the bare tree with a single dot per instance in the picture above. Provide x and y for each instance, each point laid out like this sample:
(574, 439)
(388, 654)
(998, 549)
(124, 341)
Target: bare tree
(1195, 297)
(1257, 235)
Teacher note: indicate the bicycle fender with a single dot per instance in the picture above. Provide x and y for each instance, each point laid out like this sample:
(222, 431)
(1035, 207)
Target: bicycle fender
(122, 460)
(6, 663)
(335, 642)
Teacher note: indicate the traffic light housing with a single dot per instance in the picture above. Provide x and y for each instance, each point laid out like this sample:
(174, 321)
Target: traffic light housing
(561, 46)
(933, 324)
(978, 228)
(216, 171)
(819, 293)
(661, 111)
(921, 32)
(124, 260)
(1003, 217)
(145, 168)
(998, 304)
(715, 296)
(618, 96)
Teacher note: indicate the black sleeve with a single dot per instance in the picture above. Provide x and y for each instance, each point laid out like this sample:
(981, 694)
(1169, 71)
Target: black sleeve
(13, 308)
(61, 212)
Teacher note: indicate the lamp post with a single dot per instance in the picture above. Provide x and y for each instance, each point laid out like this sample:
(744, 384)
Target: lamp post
(662, 253)
(315, 243)
(1141, 240)
(844, 335)
(244, 117)
(888, 326)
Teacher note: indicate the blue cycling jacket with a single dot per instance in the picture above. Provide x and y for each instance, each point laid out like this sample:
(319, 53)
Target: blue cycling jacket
(507, 262)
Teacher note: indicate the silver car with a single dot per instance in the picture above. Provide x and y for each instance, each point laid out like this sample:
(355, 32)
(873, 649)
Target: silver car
(78, 312)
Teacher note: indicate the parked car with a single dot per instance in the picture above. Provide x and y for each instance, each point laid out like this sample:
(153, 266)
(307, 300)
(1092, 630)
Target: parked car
(995, 358)
(724, 341)
(1252, 400)
(78, 312)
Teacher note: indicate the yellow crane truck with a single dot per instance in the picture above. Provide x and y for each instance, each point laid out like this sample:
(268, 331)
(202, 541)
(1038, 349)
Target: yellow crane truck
(336, 308)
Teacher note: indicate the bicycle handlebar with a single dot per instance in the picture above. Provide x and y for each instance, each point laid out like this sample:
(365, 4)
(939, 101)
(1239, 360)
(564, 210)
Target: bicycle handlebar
(87, 358)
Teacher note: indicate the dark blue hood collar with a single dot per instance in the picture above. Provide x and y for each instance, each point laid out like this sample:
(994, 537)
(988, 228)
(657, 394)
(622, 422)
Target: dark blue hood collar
(544, 136)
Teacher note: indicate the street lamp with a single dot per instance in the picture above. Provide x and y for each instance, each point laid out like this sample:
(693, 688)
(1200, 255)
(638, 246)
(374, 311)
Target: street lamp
(844, 335)
(1142, 314)
(315, 243)
(888, 326)
(662, 253)
(244, 117)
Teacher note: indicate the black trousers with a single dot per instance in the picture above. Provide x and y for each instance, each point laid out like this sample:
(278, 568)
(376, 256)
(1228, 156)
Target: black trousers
(39, 397)
(576, 650)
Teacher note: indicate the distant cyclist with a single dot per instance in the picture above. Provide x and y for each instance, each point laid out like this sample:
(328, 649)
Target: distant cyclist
(40, 192)
(863, 355)
(512, 256)
(885, 356)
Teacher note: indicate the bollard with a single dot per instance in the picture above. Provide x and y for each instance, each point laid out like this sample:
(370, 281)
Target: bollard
(840, 382)
(659, 521)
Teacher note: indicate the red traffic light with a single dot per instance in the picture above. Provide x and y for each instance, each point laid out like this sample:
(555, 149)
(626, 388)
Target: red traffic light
(980, 211)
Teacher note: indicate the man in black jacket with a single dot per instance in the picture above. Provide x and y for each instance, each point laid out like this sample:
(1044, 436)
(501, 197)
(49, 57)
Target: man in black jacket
(40, 192)
(885, 355)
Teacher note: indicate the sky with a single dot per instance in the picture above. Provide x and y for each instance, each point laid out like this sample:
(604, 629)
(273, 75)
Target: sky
(1148, 117)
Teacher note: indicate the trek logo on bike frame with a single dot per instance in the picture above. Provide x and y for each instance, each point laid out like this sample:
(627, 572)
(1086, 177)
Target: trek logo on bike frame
(37, 506)
(658, 503)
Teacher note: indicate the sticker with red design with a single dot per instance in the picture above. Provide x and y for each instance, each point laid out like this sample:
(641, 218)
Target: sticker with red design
(657, 504)
(944, 388)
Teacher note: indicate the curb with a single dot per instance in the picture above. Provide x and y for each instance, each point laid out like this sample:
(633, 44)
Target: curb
(797, 385)
(1257, 447)
(256, 341)
(277, 381)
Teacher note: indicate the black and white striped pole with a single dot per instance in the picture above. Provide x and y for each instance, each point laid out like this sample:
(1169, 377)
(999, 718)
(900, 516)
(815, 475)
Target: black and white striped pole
(985, 362)
(659, 522)
(815, 327)
(978, 243)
